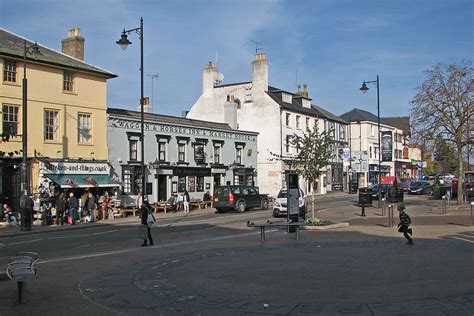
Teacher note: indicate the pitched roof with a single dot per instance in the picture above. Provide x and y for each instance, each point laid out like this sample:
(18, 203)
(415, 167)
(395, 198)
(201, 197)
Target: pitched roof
(402, 122)
(12, 45)
(296, 106)
(355, 115)
(173, 120)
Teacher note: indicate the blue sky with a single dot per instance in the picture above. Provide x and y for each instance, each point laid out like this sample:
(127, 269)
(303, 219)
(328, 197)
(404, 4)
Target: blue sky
(331, 45)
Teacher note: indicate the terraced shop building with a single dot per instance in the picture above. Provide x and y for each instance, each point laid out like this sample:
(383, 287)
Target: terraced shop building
(66, 112)
(180, 154)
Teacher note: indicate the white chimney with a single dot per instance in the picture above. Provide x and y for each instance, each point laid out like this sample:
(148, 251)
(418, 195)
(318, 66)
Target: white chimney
(260, 74)
(209, 77)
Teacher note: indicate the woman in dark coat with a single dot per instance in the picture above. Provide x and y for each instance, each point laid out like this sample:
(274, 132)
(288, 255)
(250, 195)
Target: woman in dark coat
(145, 210)
(60, 208)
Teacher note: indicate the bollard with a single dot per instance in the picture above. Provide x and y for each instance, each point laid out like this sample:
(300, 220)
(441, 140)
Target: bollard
(390, 215)
(384, 205)
(363, 210)
(472, 203)
(443, 204)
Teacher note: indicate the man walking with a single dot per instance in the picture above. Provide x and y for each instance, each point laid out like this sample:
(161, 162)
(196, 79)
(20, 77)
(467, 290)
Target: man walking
(404, 225)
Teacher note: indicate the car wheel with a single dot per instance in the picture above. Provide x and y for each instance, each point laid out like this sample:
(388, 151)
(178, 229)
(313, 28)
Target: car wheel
(219, 210)
(241, 207)
(264, 204)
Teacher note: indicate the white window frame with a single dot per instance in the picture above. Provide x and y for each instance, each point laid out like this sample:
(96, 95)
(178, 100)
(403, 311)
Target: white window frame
(51, 122)
(84, 124)
(68, 81)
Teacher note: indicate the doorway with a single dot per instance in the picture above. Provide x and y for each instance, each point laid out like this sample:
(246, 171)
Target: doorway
(162, 188)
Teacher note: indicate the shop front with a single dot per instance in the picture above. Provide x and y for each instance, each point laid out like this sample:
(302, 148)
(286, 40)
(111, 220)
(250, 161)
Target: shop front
(56, 176)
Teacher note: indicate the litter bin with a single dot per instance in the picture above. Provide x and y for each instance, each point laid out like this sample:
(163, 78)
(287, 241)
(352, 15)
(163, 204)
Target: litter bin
(365, 197)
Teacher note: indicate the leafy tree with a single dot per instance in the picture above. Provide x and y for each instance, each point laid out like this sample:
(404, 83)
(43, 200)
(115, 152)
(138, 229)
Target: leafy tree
(443, 106)
(313, 153)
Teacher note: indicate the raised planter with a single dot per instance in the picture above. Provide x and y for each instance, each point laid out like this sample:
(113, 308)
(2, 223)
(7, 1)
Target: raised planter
(324, 227)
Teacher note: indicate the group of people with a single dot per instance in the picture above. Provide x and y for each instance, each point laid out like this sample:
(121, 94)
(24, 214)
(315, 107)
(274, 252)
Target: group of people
(69, 210)
(181, 200)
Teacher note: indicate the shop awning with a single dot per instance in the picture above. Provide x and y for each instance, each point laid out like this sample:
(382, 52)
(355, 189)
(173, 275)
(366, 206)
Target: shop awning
(82, 180)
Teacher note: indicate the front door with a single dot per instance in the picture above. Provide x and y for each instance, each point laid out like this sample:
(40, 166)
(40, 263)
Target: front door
(162, 188)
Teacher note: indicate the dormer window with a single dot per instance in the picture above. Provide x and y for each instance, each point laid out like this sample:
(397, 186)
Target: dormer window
(306, 103)
(285, 97)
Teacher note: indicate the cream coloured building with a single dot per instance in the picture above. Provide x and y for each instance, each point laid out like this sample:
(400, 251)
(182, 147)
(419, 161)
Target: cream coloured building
(66, 116)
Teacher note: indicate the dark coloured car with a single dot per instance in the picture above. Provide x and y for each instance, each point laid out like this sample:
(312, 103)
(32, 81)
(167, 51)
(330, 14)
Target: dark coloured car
(420, 187)
(379, 190)
(239, 198)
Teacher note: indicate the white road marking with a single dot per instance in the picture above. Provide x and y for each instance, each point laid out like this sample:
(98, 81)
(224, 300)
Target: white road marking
(25, 242)
(463, 239)
(172, 244)
(106, 232)
(69, 236)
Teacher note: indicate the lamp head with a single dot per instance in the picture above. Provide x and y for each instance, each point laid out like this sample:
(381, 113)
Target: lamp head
(35, 50)
(364, 87)
(123, 41)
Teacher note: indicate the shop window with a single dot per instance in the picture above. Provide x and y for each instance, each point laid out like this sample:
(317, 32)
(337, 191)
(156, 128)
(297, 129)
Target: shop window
(181, 184)
(10, 119)
(51, 125)
(84, 128)
(9, 71)
(68, 81)
(131, 177)
(199, 184)
(191, 184)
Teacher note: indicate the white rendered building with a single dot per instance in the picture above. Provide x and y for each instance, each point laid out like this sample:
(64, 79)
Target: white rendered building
(276, 115)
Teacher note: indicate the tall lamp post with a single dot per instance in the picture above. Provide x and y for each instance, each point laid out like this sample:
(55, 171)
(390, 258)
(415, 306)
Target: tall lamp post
(124, 42)
(364, 89)
(34, 51)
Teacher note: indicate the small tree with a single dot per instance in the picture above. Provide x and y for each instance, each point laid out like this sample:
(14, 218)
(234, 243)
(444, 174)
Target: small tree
(313, 153)
(444, 106)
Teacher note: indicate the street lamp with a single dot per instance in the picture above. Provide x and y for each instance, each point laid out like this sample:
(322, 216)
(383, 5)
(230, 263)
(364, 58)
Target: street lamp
(124, 42)
(34, 51)
(364, 89)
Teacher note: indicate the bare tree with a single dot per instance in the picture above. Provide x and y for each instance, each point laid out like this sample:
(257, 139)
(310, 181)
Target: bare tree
(443, 106)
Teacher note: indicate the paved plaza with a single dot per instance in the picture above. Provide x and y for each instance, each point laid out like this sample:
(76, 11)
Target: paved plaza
(224, 269)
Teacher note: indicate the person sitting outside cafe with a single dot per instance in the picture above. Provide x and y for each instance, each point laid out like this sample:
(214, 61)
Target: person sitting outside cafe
(8, 215)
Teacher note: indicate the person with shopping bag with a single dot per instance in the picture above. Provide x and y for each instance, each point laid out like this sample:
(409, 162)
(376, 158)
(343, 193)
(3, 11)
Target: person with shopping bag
(147, 220)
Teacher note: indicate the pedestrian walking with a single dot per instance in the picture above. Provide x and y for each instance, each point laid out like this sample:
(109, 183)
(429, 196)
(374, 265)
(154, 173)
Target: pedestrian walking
(91, 206)
(73, 207)
(61, 206)
(147, 219)
(404, 225)
(186, 201)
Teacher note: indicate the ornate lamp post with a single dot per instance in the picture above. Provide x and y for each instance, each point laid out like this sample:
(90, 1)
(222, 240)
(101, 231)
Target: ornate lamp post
(364, 89)
(124, 42)
(34, 51)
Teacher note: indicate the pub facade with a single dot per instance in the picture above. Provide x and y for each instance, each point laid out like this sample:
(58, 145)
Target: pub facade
(180, 154)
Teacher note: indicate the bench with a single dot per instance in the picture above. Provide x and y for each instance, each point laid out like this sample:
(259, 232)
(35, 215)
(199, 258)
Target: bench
(200, 204)
(161, 206)
(277, 224)
(21, 269)
(125, 210)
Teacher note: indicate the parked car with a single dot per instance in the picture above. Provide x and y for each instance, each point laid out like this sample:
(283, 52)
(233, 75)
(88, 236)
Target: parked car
(239, 198)
(431, 178)
(279, 206)
(380, 190)
(420, 187)
(405, 183)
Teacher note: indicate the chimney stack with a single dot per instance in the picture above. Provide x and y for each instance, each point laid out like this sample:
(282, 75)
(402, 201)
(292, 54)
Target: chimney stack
(304, 92)
(259, 74)
(209, 77)
(73, 45)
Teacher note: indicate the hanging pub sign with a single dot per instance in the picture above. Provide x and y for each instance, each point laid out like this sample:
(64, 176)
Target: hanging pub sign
(386, 146)
(199, 153)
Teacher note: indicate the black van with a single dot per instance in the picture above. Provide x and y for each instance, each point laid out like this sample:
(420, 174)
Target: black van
(239, 198)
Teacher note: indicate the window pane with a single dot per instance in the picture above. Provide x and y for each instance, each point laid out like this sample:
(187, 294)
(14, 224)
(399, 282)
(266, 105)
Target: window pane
(84, 128)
